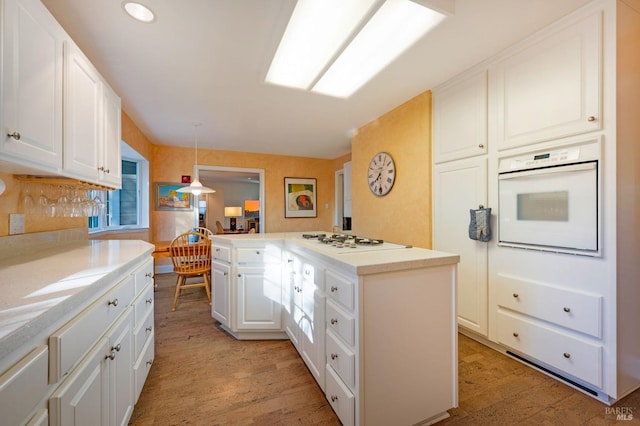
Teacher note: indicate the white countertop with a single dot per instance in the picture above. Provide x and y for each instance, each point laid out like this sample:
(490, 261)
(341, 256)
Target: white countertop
(388, 257)
(40, 288)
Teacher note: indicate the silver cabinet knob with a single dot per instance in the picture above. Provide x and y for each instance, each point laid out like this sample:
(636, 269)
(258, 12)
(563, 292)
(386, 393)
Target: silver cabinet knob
(148, 329)
(481, 146)
(566, 355)
(334, 289)
(334, 356)
(591, 118)
(113, 302)
(516, 295)
(334, 398)
(516, 334)
(566, 309)
(334, 321)
(14, 135)
(149, 301)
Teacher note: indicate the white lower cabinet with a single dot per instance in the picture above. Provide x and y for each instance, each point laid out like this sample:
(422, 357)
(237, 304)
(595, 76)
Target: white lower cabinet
(100, 389)
(341, 398)
(24, 386)
(221, 290)
(304, 304)
(247, 288)
(258, 298)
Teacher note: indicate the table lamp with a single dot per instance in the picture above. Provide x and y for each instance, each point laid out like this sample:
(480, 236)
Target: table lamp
(232, 213)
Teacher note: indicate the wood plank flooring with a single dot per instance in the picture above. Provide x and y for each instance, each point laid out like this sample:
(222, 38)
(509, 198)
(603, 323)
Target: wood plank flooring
(202, 376)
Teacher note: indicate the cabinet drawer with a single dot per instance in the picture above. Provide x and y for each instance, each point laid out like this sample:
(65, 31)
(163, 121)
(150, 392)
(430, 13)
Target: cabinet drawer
(341, 323)
(142, 332)
(222, 253)
(23, 386)
(259, 255)
(340, 289)
(341, 399)
(341, 359)
(142, 367)
(143, 276)
(579, 358)
(578, 311)
(143, 305)
(71, 342)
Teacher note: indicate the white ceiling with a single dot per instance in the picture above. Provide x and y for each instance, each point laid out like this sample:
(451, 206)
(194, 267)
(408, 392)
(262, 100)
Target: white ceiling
(204, 61)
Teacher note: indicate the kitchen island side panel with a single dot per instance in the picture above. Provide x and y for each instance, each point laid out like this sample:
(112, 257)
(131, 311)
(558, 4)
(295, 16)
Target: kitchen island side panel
(409, 345)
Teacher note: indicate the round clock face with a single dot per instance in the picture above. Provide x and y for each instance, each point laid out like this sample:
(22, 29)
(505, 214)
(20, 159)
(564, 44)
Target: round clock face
(381, 174)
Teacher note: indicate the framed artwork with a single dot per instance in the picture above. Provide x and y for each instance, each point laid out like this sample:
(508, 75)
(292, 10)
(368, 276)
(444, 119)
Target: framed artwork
(300, 197)
(168, 198)
(251, 209)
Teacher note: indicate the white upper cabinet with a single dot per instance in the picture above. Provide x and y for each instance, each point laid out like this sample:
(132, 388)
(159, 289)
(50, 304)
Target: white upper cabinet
(91, 122)
(551, 88)
(31, 96)
(460, 118)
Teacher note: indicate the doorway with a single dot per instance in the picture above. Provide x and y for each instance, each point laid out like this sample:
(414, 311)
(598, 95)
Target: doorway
(235, 187)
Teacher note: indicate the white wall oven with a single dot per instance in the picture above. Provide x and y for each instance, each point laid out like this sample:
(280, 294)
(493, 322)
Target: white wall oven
(549, 200)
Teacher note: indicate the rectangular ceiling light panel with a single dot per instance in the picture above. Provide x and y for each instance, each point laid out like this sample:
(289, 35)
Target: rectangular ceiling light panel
(396, 26)
(316, 31)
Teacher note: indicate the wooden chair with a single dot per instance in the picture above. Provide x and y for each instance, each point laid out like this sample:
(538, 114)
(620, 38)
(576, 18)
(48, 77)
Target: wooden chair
(206, 231)
(219, 227)
(191, 259)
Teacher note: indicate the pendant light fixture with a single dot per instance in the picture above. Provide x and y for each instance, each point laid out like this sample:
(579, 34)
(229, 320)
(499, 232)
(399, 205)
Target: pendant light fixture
(196, 187)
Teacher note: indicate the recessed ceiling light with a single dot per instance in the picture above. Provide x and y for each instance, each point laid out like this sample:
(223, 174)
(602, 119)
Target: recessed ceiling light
(138, 11)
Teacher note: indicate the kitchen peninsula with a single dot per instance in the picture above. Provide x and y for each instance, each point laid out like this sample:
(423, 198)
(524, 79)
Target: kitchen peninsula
(375, 322)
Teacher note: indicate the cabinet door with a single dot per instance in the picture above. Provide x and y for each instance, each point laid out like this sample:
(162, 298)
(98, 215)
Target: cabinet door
(82, 112)
(458, 187)
(551, 88)
(460, 118)
(111, 164)
(259, 298)
(31, 95)
(221, 292)
(83, 398)
(291, 297)
(121, 371)
(312, 330)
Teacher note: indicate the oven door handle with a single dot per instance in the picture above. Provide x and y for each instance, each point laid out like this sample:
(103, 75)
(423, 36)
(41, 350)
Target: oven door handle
(548, 170)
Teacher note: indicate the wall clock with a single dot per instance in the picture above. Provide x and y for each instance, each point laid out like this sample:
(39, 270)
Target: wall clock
(381, 174)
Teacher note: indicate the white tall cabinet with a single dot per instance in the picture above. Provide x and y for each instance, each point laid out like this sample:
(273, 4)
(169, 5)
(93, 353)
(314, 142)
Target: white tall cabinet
(572, 82)
(460, 184)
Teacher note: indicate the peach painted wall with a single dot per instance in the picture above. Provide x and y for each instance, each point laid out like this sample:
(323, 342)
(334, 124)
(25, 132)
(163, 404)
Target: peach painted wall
(170, 163)
(403, 215)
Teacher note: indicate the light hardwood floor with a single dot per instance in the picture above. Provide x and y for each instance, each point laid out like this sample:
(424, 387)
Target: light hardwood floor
(202, 376)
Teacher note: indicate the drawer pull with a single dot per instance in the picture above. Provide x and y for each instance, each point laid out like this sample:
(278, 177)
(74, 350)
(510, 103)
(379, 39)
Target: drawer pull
(334, 289)
(148, 275)
(113, 302)
(566, 355)
(111, 357)
(334, 398)
(258, 252)
(149, 328)
(289, 260)
(116, 348)
(516, 334)
(334, 356)
(149, 300)
(566, 309)
(334, 321)
(217, 249)
(150, 362)
(480, 146)
(591, 118)
(14, 135)
(516, 295)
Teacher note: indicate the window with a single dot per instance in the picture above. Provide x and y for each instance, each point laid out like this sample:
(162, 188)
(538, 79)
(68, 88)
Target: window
(126, 208)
